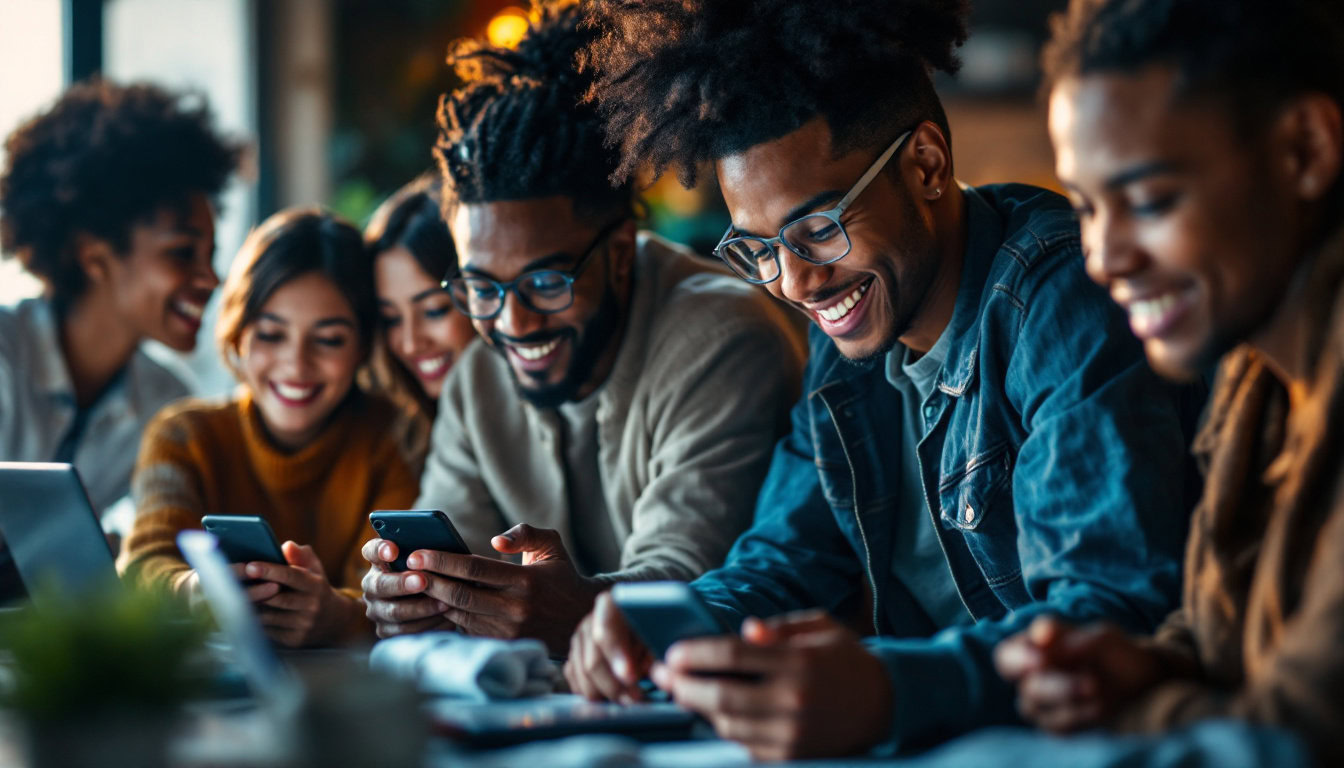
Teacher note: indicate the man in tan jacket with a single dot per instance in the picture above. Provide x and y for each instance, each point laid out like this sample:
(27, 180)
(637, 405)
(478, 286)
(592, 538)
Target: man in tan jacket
(1202, 141)
(618, 421)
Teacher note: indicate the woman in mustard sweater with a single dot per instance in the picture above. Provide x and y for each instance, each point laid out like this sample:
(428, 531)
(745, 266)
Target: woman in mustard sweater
(301, 444)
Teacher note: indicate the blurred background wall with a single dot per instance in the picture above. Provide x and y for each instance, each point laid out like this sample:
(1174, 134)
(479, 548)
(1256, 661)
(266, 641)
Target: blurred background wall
(337, 98)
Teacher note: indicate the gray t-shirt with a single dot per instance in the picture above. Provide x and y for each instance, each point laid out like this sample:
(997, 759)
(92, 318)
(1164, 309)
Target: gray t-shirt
(597, 550)
(917, 559)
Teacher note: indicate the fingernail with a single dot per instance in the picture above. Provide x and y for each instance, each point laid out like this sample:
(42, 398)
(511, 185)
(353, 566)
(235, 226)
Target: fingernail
(415, 582)
(621, 667)
(506, 536)
(413, 561)
(253, 569)
(659, 675)
(385, 552)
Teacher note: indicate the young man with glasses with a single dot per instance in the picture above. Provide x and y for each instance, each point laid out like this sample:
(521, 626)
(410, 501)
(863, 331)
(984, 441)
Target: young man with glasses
(619, 418)
(979, 440)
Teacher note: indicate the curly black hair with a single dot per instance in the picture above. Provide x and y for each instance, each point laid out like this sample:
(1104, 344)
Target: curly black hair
(680, 82)
(1251, 55)
(100, 160)
(517, 129)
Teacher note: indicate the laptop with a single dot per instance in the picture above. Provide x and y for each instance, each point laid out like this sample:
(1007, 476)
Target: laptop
(53, 540)
(268, 679)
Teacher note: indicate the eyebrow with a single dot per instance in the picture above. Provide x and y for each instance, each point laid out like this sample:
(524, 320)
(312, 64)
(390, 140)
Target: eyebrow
(1138, 172)
(548, 261)
(798, 211)
(323, 323)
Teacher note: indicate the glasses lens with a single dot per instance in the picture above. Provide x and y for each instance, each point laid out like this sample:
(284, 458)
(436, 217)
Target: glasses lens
(476, 296)
(817, 238)
(750, 258)
(547, 290)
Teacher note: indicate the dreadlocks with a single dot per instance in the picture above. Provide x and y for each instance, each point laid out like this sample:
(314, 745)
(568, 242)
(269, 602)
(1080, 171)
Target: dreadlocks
(517, 130)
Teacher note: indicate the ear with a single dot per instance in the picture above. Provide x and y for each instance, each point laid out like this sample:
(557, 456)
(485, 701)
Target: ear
(95, 256)
(927, 162)
(1314, 128)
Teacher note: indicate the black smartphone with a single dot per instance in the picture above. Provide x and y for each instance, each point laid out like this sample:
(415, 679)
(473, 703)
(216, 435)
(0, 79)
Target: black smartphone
(664, 612)
(413, 529)
(244, 538)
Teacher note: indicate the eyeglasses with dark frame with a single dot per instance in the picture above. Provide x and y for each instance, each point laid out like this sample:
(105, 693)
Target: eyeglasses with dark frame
(817, 238)
(545, 291)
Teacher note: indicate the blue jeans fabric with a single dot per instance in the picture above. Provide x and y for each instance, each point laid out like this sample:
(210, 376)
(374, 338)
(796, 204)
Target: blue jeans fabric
(1056, 474)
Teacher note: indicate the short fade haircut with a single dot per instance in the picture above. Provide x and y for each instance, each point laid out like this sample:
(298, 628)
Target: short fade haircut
(103, 158)
(517, 129)
(1251, 55)
(681, 82)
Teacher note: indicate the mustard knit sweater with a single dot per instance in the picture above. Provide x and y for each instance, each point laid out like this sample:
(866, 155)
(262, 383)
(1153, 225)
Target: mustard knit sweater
(202, 458)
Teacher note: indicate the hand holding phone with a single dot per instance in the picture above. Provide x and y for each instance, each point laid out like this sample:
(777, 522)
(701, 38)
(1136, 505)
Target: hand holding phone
(244, 538)
(415, 529)
(662, 613)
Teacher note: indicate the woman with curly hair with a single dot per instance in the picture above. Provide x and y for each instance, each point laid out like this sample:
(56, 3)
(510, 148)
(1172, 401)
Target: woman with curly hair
(422, 335)
(109, 198)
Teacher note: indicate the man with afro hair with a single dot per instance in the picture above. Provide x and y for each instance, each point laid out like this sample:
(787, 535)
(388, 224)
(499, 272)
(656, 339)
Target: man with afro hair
(980, 439)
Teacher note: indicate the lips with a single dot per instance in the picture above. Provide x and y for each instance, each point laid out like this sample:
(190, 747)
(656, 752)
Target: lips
(295, 394)
(188, 311)
(534, 357)
(433, 368)
(1156, 313)
(843, 315)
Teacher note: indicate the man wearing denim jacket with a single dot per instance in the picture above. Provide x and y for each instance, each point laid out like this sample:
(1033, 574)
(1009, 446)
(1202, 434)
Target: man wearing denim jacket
(979, 440)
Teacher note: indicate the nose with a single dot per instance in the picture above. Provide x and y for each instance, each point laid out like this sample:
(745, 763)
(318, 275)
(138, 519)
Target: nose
(799, 280)
(409, 334)
(515, 319)
(1110, 247)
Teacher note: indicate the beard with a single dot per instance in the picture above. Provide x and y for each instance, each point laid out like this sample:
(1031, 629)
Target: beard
(588, 343)
(906, 298)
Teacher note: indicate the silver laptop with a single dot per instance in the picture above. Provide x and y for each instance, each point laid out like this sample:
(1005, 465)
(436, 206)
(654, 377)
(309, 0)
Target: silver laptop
(52, 535)
(269, 679)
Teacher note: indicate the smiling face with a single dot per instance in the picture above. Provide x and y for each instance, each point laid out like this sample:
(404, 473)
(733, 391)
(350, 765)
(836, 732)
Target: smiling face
(299, 358)
(160, 285)
(1194, 228)
(875, 294)
(564, 355)
(421, 327)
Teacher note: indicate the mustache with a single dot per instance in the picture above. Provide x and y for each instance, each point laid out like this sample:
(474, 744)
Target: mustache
(538, 337)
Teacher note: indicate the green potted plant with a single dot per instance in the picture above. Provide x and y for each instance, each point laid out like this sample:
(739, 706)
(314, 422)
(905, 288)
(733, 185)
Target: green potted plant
(99, 679)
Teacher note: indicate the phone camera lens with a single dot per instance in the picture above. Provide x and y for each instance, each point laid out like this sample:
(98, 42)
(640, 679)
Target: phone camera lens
(378, 525)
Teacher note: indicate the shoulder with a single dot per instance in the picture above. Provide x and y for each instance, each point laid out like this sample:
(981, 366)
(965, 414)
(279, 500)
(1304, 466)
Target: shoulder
(698, 306)
(23, 324)
(1039, 232)
(191, 424)
(157, 379)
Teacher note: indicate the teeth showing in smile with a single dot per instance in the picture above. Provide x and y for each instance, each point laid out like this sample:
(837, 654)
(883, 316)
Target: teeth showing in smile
(194, 311)
(841, 308)
(291, 392)
(536, 352)
(432, 365)
(1150, 309)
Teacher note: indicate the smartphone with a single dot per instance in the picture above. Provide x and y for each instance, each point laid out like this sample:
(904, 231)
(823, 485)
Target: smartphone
(414, 529)
(664, 612)
(244, 538)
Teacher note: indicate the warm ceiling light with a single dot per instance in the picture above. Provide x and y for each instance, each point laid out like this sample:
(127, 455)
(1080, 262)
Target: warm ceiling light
(507, 28)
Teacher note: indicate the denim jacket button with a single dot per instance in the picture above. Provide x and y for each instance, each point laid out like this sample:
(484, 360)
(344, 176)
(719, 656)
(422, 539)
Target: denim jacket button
(970, 513)
(929, 411)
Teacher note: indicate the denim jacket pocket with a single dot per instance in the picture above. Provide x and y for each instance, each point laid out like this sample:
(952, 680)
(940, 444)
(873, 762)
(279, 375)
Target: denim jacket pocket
(971, 498)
